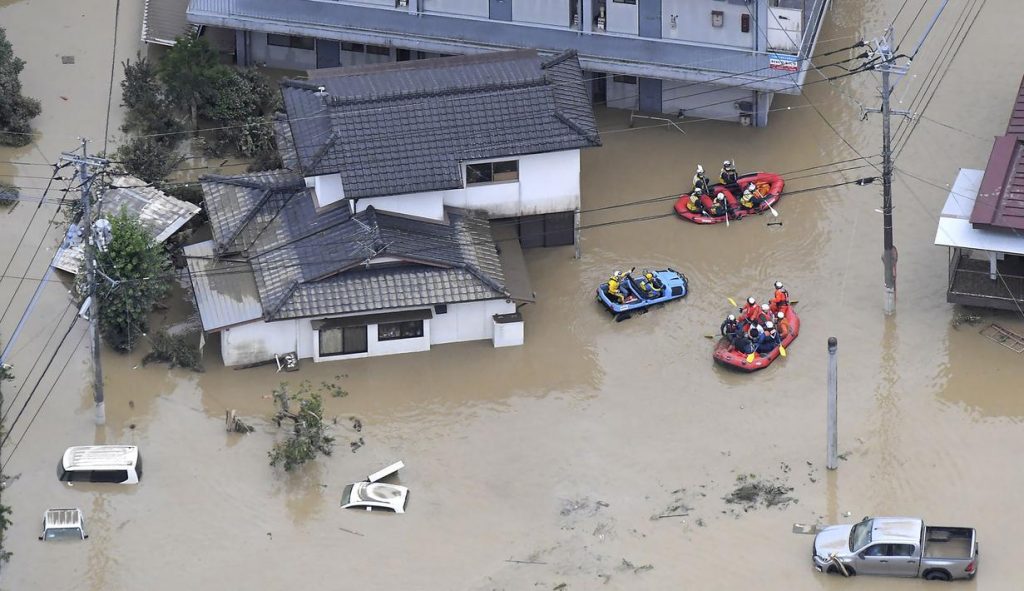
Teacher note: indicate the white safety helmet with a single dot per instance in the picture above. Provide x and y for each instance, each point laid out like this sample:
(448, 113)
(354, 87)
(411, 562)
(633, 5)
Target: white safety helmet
(751, 187)
(765, 307)
(727, 164)
(769, 325)
(700, 169)
(778, 285)
(720, 197)
(731, 318)
(780, 315)
(751, 300)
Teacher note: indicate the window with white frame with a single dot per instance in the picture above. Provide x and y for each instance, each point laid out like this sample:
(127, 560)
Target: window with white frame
(492, 172)
(345, 340)
(291, 41)
(391, 331)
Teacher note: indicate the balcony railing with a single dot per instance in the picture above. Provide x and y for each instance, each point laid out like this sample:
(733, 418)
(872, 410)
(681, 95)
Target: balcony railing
(971, 283)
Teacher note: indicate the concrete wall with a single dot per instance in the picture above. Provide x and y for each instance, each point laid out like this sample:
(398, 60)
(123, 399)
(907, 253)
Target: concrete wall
(279, 57)
(480, 8)
(544, 12)
(622, 18)
(693, 22)
(622, 95)
(548, 183)
(704, 101)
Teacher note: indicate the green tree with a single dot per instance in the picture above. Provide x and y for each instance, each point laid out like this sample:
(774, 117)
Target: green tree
(188, 71)
(137, 268)
(308, 435)
(147, 158)
(148, 111)
(15, 110)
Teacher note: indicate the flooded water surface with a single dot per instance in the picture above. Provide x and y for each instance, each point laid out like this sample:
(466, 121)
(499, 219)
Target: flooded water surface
(600, 454)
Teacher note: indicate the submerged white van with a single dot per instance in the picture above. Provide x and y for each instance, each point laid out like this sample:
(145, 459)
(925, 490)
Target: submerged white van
(120, 464)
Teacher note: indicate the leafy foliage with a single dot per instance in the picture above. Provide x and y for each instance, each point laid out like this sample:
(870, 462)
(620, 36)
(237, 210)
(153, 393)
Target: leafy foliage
(8, 194)
(308, 435)
(147, 158)
(188, 71)
(15, 110)
(138, 267)
(148, 110)
(180, 350)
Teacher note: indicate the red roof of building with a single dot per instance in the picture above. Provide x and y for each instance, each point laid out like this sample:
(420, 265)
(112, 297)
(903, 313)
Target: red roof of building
(1000, 201)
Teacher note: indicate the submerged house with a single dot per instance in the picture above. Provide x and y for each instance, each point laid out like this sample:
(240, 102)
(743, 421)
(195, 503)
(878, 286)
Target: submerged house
(398, 223)
(982, 224)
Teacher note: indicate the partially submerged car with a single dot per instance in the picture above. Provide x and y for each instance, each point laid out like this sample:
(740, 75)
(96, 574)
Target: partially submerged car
(63, 524)
(371, 494)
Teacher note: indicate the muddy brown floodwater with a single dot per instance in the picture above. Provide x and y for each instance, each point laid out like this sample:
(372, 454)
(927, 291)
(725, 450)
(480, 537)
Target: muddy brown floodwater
(598, 454)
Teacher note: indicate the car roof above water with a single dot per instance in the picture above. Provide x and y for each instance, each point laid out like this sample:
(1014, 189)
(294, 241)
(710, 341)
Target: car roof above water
(62, 518)
(100, 457)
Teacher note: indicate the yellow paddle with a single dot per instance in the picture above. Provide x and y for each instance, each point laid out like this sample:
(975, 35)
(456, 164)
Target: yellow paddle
(750, 358)
(782, 350)
(732, 302)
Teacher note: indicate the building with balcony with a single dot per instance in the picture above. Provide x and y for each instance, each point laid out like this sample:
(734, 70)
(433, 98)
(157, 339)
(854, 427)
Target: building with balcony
(982, 225)
(718, 59)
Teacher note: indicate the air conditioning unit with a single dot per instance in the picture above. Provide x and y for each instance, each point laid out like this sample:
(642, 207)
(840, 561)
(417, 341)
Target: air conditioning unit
(401, 3)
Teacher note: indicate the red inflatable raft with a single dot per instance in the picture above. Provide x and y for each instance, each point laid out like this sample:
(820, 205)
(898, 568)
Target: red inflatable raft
(727, 355)
(767, 183)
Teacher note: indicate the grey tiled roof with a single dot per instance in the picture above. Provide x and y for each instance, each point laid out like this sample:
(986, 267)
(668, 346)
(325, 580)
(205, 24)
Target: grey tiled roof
(310, 263)
(406, 127)
(285, 142)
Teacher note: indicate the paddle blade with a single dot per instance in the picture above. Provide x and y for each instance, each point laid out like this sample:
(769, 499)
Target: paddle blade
(750, 358)
(732, 302)
(782, 350)
(772, 209)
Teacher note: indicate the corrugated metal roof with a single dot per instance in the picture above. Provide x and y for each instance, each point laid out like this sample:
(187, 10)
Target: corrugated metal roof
(225, 291)
(407, 127)
(955, 229)
(1000, 202)
(164, 20)
(160, 214)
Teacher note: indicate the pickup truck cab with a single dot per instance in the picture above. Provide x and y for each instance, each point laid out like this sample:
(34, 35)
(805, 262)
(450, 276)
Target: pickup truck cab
(897, 547)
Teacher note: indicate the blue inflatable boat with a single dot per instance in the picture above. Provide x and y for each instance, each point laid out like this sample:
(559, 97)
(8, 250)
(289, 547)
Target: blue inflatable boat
(669, 284)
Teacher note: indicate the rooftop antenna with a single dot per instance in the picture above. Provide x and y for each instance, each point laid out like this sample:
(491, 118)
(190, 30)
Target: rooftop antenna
(322, 94)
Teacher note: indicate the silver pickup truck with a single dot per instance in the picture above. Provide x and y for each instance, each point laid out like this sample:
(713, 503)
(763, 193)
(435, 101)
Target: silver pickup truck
(898, 547)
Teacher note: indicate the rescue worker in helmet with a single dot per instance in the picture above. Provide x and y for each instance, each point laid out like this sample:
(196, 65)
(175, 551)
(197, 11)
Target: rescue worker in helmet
(693, 205)
(729, 175)
(782, 324)
(720, 206)
(751, 198)
(754, 337)
(613, 286)
(780, 301)
(730, 328)
(750, 311)
(762, 315)
(771, 339)
(649, 284)
(700, 181)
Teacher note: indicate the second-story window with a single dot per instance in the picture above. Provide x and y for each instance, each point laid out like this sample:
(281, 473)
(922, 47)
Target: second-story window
(492, 172)
(291, 41)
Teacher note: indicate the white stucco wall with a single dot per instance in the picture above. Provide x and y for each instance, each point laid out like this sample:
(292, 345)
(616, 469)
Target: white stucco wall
(548, 183)
(424, 205)
(469, 321)
(279, 57)
(328, 187)
(260, 341)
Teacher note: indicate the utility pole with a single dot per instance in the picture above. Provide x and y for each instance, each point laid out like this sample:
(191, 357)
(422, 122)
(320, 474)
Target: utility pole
(89, 246)
(883, 50)
(832, 447)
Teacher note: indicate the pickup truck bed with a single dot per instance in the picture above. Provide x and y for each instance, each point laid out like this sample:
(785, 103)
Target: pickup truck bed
(948, 542)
